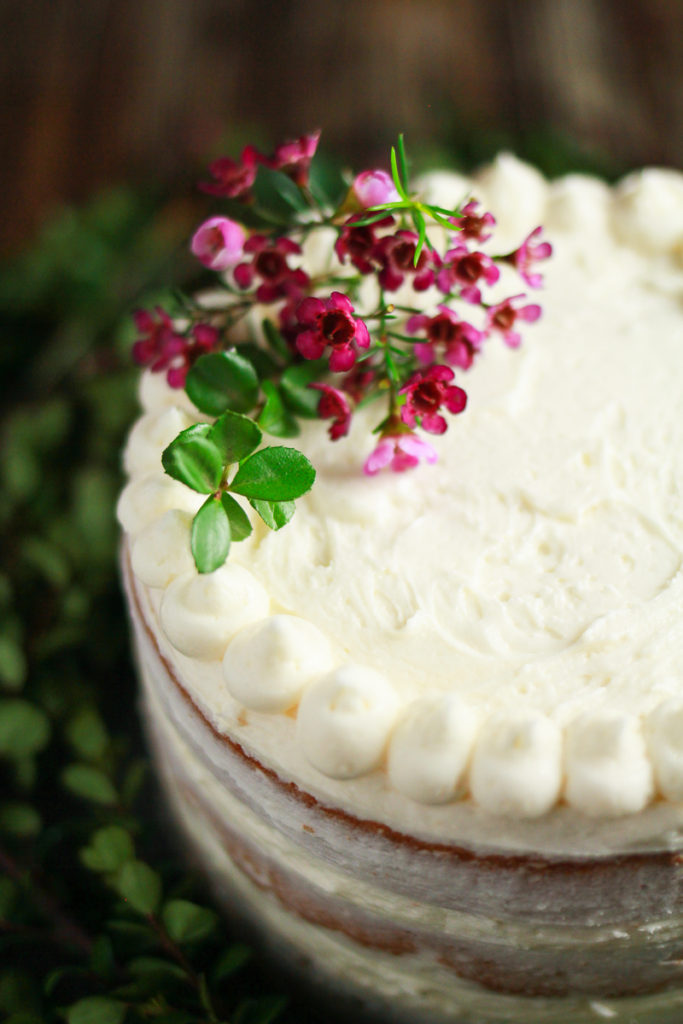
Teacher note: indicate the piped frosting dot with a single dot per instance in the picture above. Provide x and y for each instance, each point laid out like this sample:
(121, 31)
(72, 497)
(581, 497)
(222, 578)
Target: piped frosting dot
(151, 434)
(517, 764)
(664, 729)
(648, 209)
(430, 748)
(268, 664)
(578, 204)
(147, 498)
(162, 550)
(515, 193)
(201, 612)
(608, 772)
(344, 721)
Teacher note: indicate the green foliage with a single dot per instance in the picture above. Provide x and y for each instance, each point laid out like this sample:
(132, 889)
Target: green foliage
(222, 380)
(194, 459)
(274, 474)
(210, 535)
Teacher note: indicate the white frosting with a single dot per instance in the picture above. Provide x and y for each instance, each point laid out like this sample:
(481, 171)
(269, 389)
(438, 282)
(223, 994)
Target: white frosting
(665, 742)
(150, 435)
(155, 393)
(430, 748)
(201, 613)
(530, 583)
(162, 550)
(608, 771)
(146, 498)
(268, 664)
(517, 764)
(344, 721)
(648, 210)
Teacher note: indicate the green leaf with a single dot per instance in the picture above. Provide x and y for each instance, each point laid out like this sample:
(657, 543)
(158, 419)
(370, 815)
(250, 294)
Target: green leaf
(235, 436)
(87, 734)
(419, 222)
(275, 339)
(222, 380)
(296, 394)
(260, 1011)
(274, 474)
(240, 527)
(109, 849)
(396, 176)
(139, 886)
(89, 783)
(24, 728)
(194, 460)
(13, 665)
(276, 196)
(96, 1010)
(261, 359)
(230, 961)
(274, 514)
(274, 418)
(326, 181)
(188, 922)
(210, 536)
(102, 959)
(156, 969)
(402, 162)
(20, 820)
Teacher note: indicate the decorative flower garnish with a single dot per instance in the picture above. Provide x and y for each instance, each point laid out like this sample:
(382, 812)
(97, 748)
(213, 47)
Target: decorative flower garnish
(503, 316)
(447, 336)
(425, 393)
(329, 323)
(464, 268)
(332, 340)
(399, 452)
(529, 253)
(218, 243)
(334, 405)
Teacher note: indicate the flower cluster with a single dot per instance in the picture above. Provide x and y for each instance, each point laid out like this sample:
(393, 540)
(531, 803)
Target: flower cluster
(394, 314)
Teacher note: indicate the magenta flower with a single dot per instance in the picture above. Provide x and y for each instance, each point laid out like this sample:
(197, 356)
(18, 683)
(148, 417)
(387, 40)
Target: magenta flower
(330, 323)
(294, 157)
(203, 338)
(400, 452)
(334, 405)
(358, 243)
(502, 318)
(233, 178)
(465, 268)
(159, 343)
(530, 252)
(218, 243)
(372, 188)
(455, 340)
(426, 391)
(473, 225)
(395, 255)
(278, 279)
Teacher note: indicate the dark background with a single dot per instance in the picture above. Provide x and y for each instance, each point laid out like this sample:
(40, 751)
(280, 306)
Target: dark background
(102, 91)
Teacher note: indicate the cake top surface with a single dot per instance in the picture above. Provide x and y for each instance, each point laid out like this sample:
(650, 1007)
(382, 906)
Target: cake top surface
(504, 625)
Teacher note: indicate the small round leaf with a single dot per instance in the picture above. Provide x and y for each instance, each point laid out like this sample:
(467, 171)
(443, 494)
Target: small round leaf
(295, 391)
(274, 418)
(24, 728)
(96, 1010)
(220, 381)
(89, 783)
(275, 514)
(109, 849)
(188, 922)
(194, 459)
(274, 474)
(240, 527)
(139, 886)
(210, 536)
(235, 436)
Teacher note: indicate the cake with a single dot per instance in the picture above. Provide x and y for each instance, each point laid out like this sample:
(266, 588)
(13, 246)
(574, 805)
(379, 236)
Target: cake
(430, 735)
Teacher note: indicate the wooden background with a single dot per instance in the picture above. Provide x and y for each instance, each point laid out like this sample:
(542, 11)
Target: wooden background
(99, 91)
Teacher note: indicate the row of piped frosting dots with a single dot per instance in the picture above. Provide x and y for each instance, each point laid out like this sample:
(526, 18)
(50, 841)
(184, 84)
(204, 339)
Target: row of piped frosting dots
(350, 720)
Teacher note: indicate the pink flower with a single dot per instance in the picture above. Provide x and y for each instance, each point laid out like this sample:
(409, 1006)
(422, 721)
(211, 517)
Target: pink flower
(204, 338)
(233, 178)
(218, 243)
(459, 341)
(372, 188)
(473, 225)
(426, 392)
(358, 243)
(395, 254)
(502, 317)
(399, 452)
(529, 253)
(279, 280)
(294, 157)
(159, 343)
(329, 322)
(465, 268)
(334, 405)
